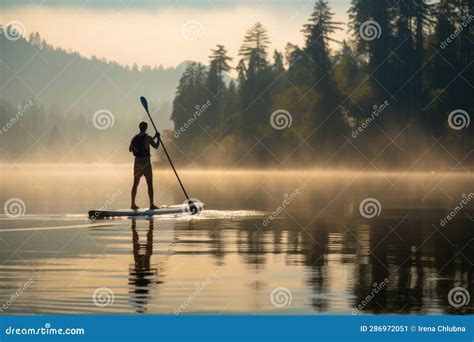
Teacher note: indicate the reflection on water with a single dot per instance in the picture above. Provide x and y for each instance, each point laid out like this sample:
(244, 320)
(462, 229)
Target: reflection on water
(143, 274)
(317, 247)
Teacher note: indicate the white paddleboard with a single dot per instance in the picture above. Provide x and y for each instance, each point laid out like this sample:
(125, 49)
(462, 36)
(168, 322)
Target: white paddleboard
(163, 210)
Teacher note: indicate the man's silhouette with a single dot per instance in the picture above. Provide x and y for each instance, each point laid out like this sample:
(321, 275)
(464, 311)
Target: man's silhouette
(140, 147)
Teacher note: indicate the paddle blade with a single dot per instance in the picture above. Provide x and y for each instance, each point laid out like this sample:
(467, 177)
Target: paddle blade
(144, 103)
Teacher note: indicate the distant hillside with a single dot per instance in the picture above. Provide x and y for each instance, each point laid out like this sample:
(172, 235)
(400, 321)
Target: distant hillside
(58, 106)
(68, 83)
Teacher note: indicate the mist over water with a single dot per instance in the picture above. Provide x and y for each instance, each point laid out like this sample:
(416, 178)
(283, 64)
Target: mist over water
(336, 176)
(304, 231)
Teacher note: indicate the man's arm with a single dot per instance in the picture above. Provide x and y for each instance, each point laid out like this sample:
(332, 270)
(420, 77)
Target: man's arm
(154, 143)
(130, 148)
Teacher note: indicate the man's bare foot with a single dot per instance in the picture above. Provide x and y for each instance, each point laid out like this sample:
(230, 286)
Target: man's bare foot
(153, 207)
(134, 207)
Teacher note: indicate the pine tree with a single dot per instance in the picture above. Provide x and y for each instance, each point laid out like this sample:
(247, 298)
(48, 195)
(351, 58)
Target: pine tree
(221, 60)
(278, 68)
(191, 92)
(254, 47)
(318, 34)
(347, 73)
(215, 84)
(378, 16)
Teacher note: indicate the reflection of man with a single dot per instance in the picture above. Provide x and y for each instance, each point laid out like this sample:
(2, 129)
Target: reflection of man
(141, 273)
(140, 147)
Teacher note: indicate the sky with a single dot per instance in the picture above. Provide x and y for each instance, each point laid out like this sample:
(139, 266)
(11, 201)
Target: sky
(161, 32)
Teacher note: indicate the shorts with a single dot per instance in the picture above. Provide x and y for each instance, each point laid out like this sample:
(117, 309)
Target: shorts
(142, 167)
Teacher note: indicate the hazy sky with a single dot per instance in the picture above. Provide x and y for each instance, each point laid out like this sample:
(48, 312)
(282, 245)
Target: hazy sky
(161, 32)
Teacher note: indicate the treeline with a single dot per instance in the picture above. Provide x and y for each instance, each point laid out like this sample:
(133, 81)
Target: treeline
(29, 133)
(68, 83)
(32, 69)
(384, 98)
(67, 90)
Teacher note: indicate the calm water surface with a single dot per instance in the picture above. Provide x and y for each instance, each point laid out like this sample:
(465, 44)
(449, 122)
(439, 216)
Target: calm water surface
(316, 255)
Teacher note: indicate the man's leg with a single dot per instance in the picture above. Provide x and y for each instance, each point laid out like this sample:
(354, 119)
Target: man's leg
(149, 182)
(136, 181)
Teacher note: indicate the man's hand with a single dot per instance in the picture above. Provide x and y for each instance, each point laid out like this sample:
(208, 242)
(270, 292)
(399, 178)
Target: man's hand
(156, 143)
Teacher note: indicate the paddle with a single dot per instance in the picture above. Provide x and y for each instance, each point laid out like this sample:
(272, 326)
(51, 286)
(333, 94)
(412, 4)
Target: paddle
(192, 207)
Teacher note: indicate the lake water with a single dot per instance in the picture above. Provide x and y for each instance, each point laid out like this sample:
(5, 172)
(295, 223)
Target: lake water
(267, 243)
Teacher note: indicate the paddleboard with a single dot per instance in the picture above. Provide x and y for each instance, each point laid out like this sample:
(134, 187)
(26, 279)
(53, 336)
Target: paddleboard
(163, 210)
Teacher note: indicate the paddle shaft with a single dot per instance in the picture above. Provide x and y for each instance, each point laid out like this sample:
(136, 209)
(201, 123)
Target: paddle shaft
(168, 156)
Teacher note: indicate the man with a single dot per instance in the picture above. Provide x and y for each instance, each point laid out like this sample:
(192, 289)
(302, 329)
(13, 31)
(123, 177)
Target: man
(140, 147)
